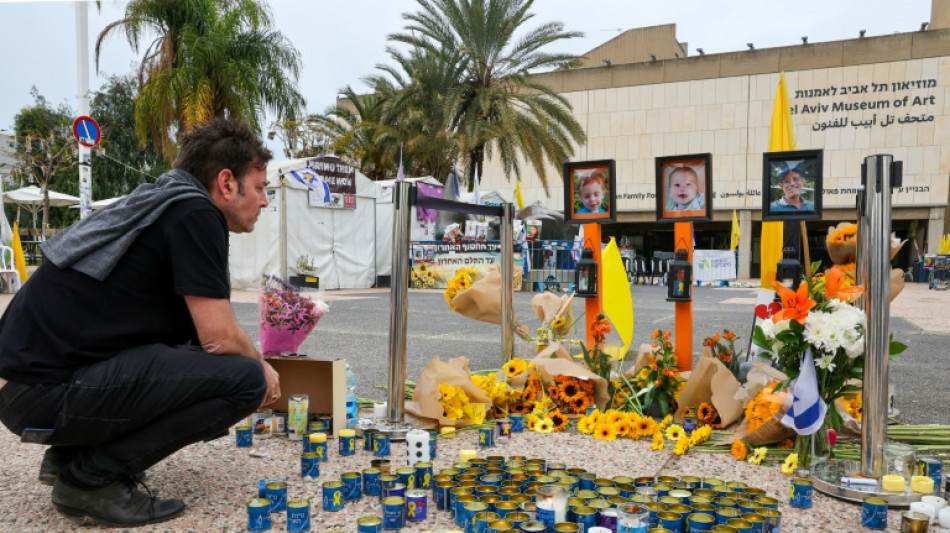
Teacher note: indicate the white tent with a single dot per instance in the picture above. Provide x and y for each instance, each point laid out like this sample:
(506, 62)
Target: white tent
(339, 243)
(99, 204)
(384, 223)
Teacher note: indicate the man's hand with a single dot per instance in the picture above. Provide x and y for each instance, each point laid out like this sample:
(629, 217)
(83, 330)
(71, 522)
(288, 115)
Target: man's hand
(273, 384)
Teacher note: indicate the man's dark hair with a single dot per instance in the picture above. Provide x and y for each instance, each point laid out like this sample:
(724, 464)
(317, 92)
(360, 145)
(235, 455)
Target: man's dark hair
(218, 144)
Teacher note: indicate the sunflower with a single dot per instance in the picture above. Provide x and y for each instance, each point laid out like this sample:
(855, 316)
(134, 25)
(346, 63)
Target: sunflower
(557, 417)
(667, 420)
(700, 435)
(520, 407)
(674, 432)
(613, 417)
(558, 323)
(657, 441)
(605, 432)
(646, 427)
(586, 425)
(545, 425)
(790, 464)
(514, 367)
(625, 428)
(739, 450)
(758, 455)
(570, 391)
(580, 404)
(705, 412)
(682, 445)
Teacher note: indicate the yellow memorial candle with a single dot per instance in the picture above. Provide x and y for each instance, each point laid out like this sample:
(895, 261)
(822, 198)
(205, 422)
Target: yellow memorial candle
(447, 432)
(318, 437)
(465, 455)
(922, 484)
(347, 433)
(893, 483)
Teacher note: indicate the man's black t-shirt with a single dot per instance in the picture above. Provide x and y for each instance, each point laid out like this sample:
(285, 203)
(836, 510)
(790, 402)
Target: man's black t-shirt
(62, 319)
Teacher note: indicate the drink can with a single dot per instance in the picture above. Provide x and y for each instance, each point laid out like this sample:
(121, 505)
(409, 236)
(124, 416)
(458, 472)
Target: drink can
(371, 484)
(423, 475)
(298, 406)
(351, 486)
(298, 515)
(369, 524)
(309, 465)
(276, 492)
(874, 513)
(381, 445)
(242, 436)
(486, 437)
(416, 505)
(407, 476)
(347, 444)
(368, 435)
(332, 496)
(801, 493)
(394, 512)
(258, 514)
(932, 468)
(261, 423)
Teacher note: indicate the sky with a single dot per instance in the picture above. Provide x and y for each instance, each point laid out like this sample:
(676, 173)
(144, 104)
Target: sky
(341, 41)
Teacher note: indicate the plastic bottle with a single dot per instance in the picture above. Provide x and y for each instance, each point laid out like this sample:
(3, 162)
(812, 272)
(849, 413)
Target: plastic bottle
(351, 409)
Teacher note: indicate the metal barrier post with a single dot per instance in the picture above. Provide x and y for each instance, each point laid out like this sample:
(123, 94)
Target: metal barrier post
(507, 279)
(399, 301)
(873, 270)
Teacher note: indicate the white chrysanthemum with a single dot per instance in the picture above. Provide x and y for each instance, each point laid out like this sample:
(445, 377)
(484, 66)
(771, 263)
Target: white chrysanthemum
(322, 306)
(826, 362)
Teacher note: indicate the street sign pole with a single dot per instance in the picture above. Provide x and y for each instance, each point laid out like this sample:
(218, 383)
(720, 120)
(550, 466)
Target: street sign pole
(82, 68)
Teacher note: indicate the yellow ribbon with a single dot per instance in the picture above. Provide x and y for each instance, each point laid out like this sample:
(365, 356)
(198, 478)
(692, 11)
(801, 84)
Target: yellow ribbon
(336, 498)
(412, 508)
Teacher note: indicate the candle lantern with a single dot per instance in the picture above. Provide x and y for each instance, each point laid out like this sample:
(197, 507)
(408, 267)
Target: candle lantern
(585, 277)
(789, 272)
(680, 278)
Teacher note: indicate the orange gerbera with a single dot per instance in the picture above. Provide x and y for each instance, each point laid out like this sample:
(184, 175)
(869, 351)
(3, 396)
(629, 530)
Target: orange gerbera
(795, 305)
(836, 286)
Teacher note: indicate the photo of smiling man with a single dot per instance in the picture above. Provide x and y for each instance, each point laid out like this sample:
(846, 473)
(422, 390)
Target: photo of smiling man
(791, 180)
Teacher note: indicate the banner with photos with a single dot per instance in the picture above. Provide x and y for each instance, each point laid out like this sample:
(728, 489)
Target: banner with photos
(434, 264)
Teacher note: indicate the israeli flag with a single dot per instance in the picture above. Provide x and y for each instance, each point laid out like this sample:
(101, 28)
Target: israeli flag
(309, 178)
(808, 411)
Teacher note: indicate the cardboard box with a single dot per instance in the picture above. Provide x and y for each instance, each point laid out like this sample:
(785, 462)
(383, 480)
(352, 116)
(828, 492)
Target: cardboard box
(323, 380)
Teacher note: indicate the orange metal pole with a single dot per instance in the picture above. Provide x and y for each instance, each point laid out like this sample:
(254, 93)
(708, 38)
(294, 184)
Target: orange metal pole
(592, 306)
(683, 238)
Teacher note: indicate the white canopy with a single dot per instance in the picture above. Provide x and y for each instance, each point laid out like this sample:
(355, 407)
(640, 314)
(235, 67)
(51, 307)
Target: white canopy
(99, 204)
(32, 195)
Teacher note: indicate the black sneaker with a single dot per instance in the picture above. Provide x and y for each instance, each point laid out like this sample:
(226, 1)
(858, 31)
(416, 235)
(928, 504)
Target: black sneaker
(118, 504)
(55, 459)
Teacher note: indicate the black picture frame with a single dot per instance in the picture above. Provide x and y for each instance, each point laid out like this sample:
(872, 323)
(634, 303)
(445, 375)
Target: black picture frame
(588, 174)
(779, 170)
(699, 205)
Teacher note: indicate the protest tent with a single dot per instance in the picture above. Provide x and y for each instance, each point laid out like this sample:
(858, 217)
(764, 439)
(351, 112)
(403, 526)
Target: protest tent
(308, 223)
(384, 219)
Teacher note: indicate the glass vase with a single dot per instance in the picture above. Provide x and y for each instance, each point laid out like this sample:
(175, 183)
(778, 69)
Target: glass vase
(813, 449)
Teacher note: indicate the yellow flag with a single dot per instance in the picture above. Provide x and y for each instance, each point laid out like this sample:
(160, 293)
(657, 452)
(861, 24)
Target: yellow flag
(734, 239)
(519, 200)
(617, 300)
(19, 261)
(781, 139)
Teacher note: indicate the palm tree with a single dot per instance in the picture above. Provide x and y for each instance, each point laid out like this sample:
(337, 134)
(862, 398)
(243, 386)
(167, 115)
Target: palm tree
(500, 110)
(209, 58)
(356, 127)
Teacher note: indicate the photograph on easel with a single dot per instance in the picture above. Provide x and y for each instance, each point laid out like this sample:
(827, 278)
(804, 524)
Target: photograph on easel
(684, 188)
(791, 185)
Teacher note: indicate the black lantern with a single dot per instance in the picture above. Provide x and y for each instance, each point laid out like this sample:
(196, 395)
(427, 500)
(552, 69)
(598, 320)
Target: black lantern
(680, 278)
(789, 272)
(585, 277)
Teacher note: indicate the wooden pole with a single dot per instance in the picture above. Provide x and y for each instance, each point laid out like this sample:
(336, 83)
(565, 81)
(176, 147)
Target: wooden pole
(807, 264)
(592, 306)
(683, 238)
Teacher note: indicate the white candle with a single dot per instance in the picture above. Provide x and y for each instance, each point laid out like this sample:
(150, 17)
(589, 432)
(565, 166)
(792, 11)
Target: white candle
(417, 446)
(552, 499)
(380, 410)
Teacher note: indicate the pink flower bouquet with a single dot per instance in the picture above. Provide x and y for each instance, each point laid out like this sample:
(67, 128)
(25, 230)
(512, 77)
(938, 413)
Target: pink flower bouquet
(286, 316)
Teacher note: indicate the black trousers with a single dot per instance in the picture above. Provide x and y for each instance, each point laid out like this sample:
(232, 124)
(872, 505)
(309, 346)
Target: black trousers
(121, 416)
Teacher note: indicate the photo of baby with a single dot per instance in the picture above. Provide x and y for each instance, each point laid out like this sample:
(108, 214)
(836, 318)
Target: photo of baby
(683, 184)
(589, 191)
